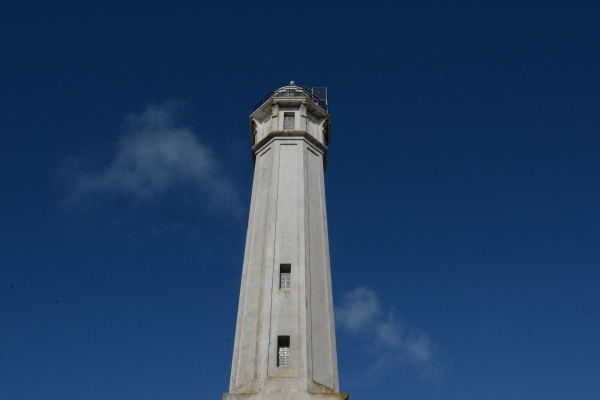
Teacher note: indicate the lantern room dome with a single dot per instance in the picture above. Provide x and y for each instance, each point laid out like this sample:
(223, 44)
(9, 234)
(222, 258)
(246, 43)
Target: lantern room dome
(317, 95)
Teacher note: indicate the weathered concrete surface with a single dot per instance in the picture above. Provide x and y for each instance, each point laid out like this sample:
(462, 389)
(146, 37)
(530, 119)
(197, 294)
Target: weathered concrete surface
(288, 396)
(287, 225)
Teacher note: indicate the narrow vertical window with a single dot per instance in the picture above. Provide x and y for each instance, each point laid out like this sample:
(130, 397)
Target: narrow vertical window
(288, 121)
(285, 276)
(283, 351)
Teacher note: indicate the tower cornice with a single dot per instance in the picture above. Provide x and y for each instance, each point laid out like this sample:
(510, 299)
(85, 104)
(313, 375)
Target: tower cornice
(282, 135)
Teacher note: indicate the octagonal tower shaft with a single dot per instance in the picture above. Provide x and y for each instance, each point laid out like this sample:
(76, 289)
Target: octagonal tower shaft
(285, 337)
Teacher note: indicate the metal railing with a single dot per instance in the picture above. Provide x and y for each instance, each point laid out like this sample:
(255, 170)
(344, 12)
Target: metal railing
(317, 94)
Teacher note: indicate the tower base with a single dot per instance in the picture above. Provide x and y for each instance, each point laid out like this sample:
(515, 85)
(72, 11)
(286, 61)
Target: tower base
(290, 388)
(285, 396)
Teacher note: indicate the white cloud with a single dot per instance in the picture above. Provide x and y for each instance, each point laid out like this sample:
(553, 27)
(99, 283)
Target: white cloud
(359, 309)
(153, 156)
(390, 341)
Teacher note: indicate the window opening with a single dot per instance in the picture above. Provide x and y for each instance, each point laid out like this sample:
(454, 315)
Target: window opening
(283, 351)
(288, 121)
(285, 276)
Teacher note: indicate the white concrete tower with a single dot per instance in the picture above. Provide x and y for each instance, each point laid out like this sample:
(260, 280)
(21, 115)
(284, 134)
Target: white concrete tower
(285, 338)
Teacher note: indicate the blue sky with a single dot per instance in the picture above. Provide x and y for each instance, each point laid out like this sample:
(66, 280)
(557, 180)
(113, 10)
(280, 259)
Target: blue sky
(462, 191)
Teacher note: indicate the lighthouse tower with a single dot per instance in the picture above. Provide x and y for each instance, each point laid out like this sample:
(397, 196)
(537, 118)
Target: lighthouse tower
(285, 337)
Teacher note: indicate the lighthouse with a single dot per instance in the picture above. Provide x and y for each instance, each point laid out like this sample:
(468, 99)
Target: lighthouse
(285, 337)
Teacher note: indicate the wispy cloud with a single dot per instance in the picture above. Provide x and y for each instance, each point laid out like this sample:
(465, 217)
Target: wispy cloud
(391, 342)
(155, 155)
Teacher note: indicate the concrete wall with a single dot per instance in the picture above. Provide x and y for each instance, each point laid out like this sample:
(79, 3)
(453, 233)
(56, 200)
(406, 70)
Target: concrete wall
(287, 225)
